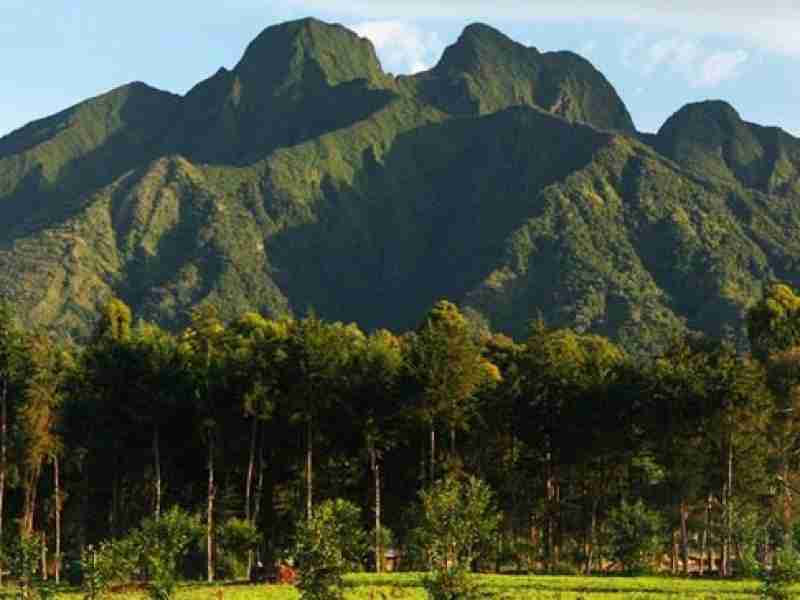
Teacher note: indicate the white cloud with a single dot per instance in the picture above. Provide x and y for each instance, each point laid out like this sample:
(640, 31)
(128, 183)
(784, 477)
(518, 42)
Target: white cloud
(587, 48)
(402, 47)
(697, 64)
(773, 25)
(719, 67)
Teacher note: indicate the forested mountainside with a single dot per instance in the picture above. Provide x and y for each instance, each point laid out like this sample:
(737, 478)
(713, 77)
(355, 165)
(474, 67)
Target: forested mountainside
(508, 180)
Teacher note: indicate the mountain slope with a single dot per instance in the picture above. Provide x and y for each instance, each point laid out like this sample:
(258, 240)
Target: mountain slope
(508, 180)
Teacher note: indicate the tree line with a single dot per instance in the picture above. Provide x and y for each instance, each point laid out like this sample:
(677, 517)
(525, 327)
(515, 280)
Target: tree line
(251, 423)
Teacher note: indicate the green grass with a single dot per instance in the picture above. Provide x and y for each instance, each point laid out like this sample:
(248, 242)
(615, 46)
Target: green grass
(407, 586)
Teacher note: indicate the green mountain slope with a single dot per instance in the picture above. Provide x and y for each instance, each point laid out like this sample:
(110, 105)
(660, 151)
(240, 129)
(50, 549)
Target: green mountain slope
(508, 180)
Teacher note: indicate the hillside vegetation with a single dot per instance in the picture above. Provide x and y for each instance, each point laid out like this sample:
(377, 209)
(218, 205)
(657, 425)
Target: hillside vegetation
(509, 180)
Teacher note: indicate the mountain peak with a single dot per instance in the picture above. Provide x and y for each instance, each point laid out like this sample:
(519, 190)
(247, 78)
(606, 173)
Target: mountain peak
(710, 111)
(486, 71)
(712, 137)
(484, 32)
(307, 51)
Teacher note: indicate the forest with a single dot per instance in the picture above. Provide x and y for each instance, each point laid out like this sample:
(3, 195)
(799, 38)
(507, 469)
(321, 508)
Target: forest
(692, 456)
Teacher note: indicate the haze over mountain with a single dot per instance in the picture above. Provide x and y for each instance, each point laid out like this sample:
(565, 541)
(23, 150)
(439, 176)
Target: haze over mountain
(506, 179)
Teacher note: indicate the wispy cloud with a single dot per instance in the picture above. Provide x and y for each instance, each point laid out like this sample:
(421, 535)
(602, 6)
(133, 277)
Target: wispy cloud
(699, 65)
(402, 47)
(771, 26)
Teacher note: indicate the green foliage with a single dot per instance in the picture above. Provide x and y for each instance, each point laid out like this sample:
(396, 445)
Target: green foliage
(297, 205)
(161, 543)
(23, 563)
(778, 579)
(236, 538)
(773, 323)
(328, 545)
(458, 518)
(636, 536)
(152, 551)
(98, 570)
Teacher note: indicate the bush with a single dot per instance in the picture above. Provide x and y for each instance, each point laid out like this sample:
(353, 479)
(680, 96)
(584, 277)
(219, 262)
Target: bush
(24, 563)
(328, 545)
(635, 536)
(458, 518)
(237, 538)
(151, 551)
(785, 572)
(100, 566)
(162, 543)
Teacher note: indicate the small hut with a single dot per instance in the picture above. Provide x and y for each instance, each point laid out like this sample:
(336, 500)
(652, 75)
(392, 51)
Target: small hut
(391, 560)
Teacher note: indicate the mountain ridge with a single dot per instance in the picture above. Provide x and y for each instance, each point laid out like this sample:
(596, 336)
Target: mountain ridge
(509, 180)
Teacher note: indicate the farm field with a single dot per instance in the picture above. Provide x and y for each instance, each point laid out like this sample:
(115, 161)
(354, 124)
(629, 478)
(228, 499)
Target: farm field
(407, 586)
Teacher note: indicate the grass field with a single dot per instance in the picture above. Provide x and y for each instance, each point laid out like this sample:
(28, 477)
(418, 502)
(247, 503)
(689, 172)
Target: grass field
(406, 586)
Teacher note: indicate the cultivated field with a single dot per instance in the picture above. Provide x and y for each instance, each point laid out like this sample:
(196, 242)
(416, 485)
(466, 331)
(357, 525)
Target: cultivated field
(407, 587)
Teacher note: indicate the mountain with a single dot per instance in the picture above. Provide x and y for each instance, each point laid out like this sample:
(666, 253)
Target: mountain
(506, 179)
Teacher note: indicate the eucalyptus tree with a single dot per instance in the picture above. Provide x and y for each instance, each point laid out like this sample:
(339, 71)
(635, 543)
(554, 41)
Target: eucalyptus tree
(154, 380)
(448, 367)
(559, 368)
(255, 347)
(773, 325)
(314, 378)
(12, 358)
(38, 420)
(783, 370)
(105, 361)
(679, 411)
(202, 348)
(743, 407)
(374, 405)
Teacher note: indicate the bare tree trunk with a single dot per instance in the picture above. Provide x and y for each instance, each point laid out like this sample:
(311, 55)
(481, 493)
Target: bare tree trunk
(592, 536)
(726, 547)
(260, 480)
(704, 544)
(787, 505)
(309, 469)
(550, 495)
(248, 486)
(157, 465)
(432, 473)
(29, 504)
(251, 465)
(559, 524)
(685, 536)
(210, 511)
(673, 557)
(723, 566)
(44, 556)
(376, 472)
(259, 489)
(57, 486)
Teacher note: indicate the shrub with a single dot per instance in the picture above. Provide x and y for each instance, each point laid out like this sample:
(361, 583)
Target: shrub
(162, 543)
(237, 538)
(458, 517)
(785, 572)
(328, 545)
(636, 536)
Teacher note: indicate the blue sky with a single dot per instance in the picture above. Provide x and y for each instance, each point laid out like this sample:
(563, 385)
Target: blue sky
(659, 55)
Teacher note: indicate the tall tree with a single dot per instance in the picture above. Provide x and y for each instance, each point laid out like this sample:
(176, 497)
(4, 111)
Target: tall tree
(559, 367)
(446, 362)
(203, 352)
(377, 370)
(38, 419)
(11, 361)
(314, 378)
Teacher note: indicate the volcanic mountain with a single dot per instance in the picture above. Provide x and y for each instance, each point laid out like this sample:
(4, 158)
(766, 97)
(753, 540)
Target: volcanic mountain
(509, 180)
